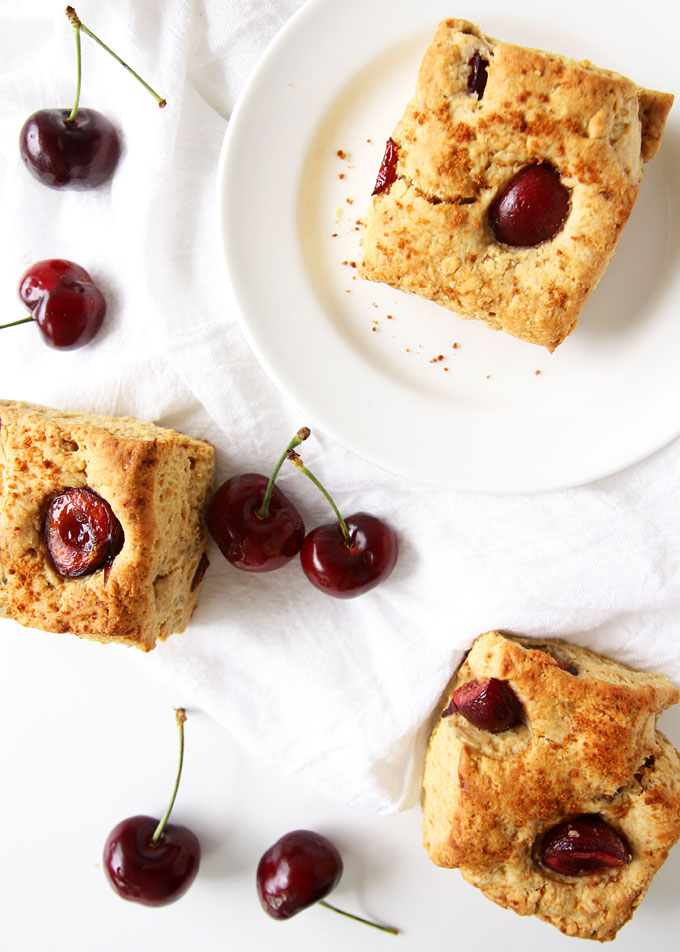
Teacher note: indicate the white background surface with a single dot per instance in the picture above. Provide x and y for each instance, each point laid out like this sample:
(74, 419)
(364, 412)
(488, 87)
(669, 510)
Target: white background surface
(88, 734)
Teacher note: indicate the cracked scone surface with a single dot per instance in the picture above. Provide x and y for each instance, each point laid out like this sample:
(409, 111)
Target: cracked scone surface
(588, 745)
(429, 232)
(158, 483)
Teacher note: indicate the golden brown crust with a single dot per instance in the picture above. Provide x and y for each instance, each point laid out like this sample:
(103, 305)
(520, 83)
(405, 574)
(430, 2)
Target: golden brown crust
(588, 745)
(158, 483)
(429, 234)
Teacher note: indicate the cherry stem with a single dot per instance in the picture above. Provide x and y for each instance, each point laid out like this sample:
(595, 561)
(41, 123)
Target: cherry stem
(79, 70)
(367, 922)
(22, 320)
(180, 717)
(293, 458)
(77, 25)
(301, 435)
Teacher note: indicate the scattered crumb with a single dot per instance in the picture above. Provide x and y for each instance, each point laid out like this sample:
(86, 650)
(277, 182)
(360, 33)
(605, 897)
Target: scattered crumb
(369, 141)
(488, 376)
(390, 317)
(455, 345)
(341, 175)
(350, 201)
(538, 373)
(341, 154)
(435, 360)
(334, 235)
(445, 368)
(338, 214)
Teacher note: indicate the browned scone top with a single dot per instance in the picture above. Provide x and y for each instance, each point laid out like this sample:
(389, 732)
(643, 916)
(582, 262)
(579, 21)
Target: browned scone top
(429, 234)
(587, 744)
(158, 483)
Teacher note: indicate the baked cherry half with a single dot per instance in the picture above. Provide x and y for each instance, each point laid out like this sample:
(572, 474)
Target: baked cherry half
(491, 705)
(387, 173)
(255, 525)
(149, 861)
(348, 557)
(531, 208)
(300, 869)
(82, 533)
(583, 845)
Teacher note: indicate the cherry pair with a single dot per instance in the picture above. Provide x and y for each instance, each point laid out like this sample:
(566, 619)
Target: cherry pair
(65, 303)
(259, 529)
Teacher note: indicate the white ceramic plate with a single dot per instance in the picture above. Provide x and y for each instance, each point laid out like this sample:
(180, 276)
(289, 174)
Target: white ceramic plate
(362, 360)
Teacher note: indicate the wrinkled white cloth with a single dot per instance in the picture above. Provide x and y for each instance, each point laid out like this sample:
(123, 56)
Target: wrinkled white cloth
(337, 691)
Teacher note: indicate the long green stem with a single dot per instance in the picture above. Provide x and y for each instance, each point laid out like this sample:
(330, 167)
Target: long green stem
(180, 716)
(367, 922)
(74, 111)
(301, 435)
(78, 26)
(22, 320)
(293, 458)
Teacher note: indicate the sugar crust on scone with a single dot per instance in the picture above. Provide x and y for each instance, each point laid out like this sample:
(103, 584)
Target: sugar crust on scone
(429, 234)
(589, 746)
(158, 483)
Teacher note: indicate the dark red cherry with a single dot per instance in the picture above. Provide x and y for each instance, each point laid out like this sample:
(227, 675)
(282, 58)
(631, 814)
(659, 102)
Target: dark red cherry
(60, 152)
(387, 174)
(477, 74)
(247, 540)
(153, 875)
(584, 845)
(298, 870)
(491, 705)
(347, 567)
(531, 208)
(69, 315)
(44, 275)
(149, 861)
(82, 534)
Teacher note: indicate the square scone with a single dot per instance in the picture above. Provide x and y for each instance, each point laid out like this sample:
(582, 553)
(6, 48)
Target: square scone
(506, 183)
(102, 524)
(548, 784)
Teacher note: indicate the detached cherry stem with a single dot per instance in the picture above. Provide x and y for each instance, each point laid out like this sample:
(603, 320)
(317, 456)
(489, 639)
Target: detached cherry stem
(293, 458)
(374, 925)
(180, 717)
(301, 435)
(78, 25)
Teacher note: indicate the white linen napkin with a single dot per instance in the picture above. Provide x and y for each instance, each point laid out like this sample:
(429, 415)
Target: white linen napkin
(339, 692)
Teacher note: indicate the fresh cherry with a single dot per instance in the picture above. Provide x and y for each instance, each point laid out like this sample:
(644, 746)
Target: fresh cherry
(44, 275)
(149, 861)
(387, 173)
(70, 314)
(255, 525)
(583, 845)
(67, 306)
(76, 148)
(300, 869)
(65, 151)
(531, 208)
(491, 705)
(82, 533)
(348, 557)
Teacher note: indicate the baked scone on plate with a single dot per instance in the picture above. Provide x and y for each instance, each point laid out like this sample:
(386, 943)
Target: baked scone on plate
(506, 183)
(548, 784)
(102, 524)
